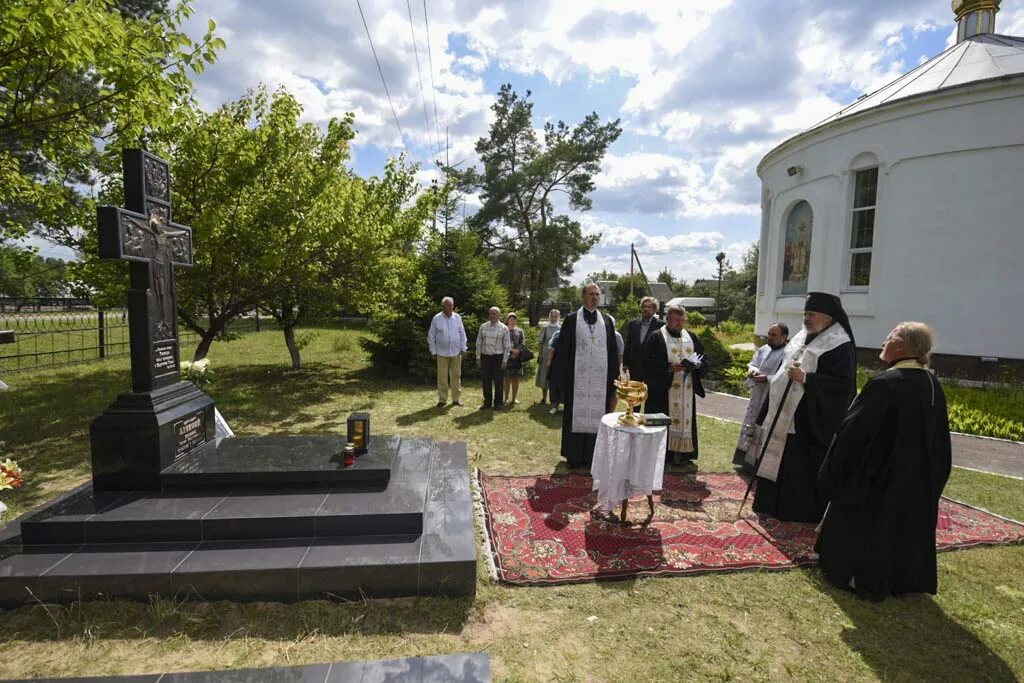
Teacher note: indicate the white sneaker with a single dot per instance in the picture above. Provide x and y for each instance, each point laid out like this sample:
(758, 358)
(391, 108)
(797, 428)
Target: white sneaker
(553, 411)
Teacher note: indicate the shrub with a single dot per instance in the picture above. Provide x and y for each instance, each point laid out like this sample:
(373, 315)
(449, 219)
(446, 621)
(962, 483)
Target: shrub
(973, 421)
(715, 352)
(695, 319)
(732, 327)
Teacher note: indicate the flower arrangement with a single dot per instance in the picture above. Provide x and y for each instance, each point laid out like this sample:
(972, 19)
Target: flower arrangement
(197, 372)
(10, 478)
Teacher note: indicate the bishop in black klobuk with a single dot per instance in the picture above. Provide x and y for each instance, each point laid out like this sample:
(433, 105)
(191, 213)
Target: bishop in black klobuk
(163, 418)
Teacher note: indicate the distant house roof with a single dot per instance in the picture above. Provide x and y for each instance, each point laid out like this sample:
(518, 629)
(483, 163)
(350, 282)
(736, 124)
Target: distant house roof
(660, 291)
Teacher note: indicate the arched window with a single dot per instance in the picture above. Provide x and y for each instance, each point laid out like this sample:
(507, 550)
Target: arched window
(796, 252)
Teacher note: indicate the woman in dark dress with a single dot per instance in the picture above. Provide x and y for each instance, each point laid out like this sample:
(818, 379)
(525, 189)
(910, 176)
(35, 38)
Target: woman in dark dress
(884, 475)
(514, 369)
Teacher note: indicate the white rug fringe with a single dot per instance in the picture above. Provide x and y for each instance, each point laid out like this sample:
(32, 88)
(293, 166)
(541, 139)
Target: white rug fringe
(481, 518)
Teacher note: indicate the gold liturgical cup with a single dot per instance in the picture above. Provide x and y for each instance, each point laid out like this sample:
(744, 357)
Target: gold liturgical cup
(632, 393)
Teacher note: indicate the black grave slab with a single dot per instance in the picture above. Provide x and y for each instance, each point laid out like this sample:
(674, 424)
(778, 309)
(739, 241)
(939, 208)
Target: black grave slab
(281, 462)
(457, 668)
(416, 537)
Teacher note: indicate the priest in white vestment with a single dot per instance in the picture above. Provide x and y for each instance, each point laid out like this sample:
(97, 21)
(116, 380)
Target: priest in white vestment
(586, 363)
(674, 364)
(762, 366)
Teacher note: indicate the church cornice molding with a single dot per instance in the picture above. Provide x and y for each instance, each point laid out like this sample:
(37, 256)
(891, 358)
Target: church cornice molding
(1003, 87)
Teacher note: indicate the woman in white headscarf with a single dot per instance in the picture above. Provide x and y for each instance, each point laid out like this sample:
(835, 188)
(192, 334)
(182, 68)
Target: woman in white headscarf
(553, 326)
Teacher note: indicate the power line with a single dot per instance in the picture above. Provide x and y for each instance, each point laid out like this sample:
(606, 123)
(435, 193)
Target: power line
(433, 88)
(382, 80)
(419, 72)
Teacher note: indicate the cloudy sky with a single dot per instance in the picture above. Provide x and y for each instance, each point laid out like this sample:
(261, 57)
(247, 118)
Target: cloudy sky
(703, 90)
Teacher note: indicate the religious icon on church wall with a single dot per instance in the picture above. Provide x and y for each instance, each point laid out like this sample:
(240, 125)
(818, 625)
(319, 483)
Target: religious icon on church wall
(796, 256)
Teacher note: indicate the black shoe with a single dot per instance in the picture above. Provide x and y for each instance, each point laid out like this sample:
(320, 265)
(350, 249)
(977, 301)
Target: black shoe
(440, 404)
(499, 406)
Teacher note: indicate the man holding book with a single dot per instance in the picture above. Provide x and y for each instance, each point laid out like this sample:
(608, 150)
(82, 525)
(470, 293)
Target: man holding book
(674, 364)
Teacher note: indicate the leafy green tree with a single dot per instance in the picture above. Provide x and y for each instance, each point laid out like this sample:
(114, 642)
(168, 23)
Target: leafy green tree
(622, 286)
(344, 254)
(74, 74)
(600, 275)
(24, 274)
(532, 244)
(666, 277)
(450, 265)
(280, 222)
(627, 308)
(569, 294)
(739, 289)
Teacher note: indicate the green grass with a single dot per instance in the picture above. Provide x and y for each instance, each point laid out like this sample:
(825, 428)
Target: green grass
(750, 626)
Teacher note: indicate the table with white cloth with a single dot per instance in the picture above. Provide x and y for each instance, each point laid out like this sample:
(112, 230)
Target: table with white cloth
(628, 461)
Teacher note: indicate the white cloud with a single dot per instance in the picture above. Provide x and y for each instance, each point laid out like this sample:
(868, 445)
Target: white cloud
(1011, 23)
(704, 89)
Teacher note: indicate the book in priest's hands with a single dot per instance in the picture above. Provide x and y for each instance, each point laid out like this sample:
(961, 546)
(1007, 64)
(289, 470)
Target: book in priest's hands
(656, 419)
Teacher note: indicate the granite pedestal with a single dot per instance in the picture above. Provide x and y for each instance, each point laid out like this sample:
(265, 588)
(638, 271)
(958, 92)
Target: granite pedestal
(269, 518)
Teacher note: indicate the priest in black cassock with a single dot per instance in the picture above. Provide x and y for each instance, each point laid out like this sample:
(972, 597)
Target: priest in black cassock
(818, 380)
(586, 363)
(884, 474)
(673, 366)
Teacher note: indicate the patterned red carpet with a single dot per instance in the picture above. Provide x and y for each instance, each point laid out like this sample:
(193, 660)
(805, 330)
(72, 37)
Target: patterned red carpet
(541, 530)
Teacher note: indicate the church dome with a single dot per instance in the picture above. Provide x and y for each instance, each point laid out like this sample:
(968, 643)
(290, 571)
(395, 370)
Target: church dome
(982, 57)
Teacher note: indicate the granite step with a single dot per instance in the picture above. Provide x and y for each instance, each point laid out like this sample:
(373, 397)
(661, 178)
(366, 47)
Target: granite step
(160, 518)
(91, 517)
(281, 461)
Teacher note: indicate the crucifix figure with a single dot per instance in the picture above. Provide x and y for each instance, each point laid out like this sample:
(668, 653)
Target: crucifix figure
(145, 235)
(156, 241)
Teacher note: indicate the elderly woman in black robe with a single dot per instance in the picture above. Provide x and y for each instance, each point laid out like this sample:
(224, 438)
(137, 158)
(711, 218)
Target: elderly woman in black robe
(884, 474)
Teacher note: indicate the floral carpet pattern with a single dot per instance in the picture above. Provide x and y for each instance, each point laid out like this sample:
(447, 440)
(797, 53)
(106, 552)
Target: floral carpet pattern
(541, 530)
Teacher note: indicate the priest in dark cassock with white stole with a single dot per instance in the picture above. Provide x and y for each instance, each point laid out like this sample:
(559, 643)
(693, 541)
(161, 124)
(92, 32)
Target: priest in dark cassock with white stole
(884, 475)
(586, 363)
(807, 399)
(673, 366)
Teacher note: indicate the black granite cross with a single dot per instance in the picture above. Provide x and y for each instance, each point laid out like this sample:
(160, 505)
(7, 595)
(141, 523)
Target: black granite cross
(145, 235)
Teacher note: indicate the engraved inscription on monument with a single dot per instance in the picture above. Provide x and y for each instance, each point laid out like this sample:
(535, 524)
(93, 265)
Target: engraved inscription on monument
(188, 434)
(164, 358)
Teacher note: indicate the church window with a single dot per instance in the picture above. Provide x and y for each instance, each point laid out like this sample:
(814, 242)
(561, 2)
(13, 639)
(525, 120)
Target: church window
(796, 251)
(862, 232)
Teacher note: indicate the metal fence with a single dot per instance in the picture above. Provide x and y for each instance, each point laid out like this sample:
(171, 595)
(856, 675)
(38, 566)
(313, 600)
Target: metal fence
(53, 332)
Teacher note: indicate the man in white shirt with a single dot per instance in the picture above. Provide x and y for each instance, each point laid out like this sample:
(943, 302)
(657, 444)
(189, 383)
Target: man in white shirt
(447, 342)
(492, 348)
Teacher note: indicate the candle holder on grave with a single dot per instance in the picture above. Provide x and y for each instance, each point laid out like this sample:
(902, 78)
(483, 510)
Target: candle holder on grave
(358, 431)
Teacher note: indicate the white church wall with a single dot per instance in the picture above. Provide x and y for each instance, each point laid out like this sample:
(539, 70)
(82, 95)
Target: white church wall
(949, 222)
